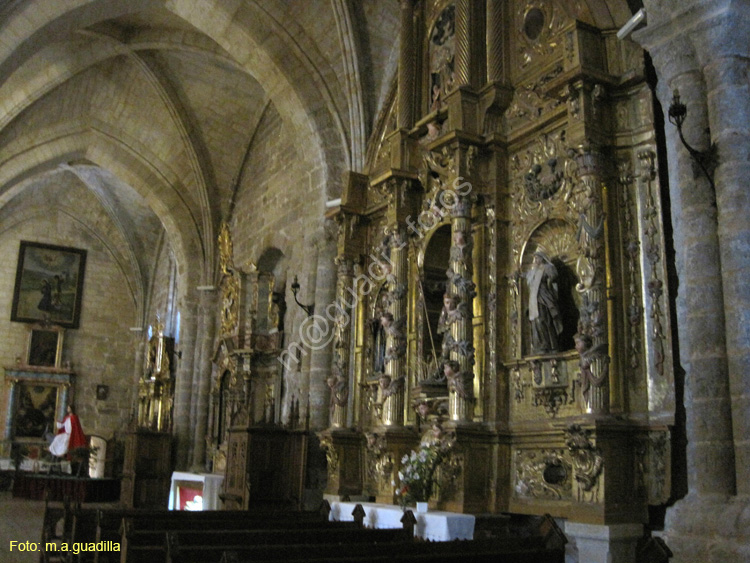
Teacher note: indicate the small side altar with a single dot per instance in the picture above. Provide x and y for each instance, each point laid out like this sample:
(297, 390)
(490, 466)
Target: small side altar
(37, 397)
(433, 525)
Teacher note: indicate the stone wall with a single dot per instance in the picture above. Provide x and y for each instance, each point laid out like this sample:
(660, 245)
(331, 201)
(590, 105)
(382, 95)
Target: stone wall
(101, 350)
(279, 205)
(701, 49)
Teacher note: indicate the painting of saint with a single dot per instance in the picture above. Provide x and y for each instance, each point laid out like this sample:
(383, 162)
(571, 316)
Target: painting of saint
(49, 284)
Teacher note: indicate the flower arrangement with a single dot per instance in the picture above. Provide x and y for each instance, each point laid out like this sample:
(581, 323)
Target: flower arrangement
(417, 475)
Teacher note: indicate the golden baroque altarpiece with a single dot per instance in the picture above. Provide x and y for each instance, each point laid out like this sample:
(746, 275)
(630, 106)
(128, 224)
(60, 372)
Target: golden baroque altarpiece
(501, 271)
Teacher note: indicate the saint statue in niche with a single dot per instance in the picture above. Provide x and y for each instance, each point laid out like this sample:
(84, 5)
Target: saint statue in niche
(544, 307)
(448, 316)
(442, 53)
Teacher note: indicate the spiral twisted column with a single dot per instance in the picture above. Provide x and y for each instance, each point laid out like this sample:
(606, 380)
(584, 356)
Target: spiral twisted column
(459, 371)
(592, 339)
(394, 323)
(406, 66)
(462, 59)
(495, 38)
(339, 379)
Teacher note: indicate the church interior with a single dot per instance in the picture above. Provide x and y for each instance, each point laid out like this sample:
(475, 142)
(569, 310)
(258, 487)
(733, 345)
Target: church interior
(286, 245)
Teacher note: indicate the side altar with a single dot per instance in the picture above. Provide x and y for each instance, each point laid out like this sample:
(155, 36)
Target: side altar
(263, 461)
(501, 275)
(37, 399)
(39, 390)
(148, 462)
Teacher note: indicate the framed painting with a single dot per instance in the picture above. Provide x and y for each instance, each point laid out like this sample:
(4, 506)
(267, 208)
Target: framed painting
(45, 346)
(49, 284)
(35, 409)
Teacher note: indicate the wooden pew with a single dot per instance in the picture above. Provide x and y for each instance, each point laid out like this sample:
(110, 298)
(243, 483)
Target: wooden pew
(296, 537)
(56, 515)
(143, 534)
(543, 544)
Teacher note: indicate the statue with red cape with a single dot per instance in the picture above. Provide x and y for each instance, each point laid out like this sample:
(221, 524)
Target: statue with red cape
(69, 436)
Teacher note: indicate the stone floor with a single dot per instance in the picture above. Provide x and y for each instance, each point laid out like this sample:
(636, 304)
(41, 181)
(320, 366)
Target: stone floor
(20, 520)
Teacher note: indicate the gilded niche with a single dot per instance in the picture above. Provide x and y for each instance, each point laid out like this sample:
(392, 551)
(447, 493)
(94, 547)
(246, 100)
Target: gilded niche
(229, 284)
(442, 52)
(156, 386)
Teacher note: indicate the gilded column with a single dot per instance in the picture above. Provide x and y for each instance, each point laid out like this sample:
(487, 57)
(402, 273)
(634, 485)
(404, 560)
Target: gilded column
(459, 371)
(495, 40)
(462, 59)
(394, 323)
(339, 379)
(12, 398)
(406, 67)
(592, 339)
(64, 400)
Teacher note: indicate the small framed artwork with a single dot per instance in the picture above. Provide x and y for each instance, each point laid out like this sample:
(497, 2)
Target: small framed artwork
(49, 284)
(45, 346)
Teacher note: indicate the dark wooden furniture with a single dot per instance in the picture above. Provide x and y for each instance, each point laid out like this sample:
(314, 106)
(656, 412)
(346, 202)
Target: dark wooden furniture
(265, 468)
(147, 470)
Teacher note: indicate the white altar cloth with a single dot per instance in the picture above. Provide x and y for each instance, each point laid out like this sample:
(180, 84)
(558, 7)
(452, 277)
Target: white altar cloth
(211, 489)
(432, 525)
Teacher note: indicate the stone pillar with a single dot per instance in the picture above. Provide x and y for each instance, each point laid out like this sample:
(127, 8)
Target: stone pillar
(394, 321)
(139, 347)
(728, 95)
(592, 340)
(183, 393)
(605, 544)
(208, 309)
(459, 371)
(700, 307)
(406, 67)
(707, 308)
(321, 338)
(339, 379)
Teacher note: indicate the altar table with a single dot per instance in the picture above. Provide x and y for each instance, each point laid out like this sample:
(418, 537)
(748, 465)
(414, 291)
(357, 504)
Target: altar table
(208, 483)
(432, 525)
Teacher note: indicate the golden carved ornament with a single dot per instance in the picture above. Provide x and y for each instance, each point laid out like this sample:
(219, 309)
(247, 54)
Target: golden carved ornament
(538, 26)
(225, 249)
(229, 285)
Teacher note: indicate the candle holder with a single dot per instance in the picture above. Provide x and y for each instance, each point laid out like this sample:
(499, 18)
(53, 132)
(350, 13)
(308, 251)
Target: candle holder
(706, 160)
(309, 309)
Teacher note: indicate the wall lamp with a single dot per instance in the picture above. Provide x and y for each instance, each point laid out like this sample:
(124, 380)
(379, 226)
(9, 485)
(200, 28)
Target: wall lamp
(309, 309)
(706, 160)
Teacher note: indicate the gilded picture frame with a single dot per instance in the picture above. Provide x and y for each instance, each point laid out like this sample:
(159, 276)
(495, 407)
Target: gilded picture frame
(49, 284)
